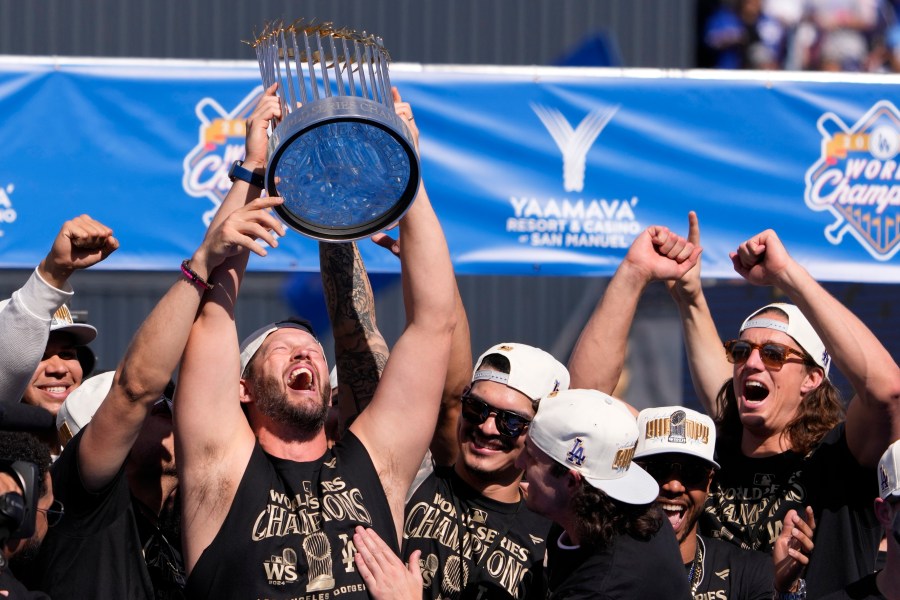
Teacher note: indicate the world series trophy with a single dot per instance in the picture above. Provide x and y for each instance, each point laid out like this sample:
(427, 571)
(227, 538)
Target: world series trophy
(341, 158)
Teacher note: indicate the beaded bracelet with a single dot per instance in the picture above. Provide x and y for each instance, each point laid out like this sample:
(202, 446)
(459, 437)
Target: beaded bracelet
(192, 276)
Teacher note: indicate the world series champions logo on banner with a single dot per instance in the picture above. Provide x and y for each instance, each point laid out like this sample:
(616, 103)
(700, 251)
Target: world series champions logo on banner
(221, 142)
(857, 179)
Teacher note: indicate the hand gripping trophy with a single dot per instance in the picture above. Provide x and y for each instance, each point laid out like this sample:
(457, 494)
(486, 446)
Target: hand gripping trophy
(343, 161)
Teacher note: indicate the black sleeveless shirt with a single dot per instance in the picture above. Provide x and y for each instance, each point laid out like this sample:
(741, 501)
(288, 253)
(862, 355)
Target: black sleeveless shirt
(289, 532)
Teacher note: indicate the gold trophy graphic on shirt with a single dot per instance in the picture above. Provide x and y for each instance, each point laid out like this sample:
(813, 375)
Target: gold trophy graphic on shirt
(343, 161)
(318, 557)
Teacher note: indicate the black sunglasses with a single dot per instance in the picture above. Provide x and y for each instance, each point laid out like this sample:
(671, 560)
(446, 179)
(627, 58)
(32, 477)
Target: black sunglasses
(54, 513)
(773, 354)
(508, 423)
(688, 473)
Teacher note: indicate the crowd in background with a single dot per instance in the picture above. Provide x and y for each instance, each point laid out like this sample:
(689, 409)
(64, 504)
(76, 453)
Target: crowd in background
(817, 35)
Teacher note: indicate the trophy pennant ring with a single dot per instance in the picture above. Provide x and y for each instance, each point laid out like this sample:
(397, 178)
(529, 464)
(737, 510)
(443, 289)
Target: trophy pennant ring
(343, 161)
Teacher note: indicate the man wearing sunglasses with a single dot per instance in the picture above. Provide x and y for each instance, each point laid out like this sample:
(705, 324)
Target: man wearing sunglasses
(18, 553)
(677, 447)
(476, 536)
(784, 443)
(272, 509)
(117, 475)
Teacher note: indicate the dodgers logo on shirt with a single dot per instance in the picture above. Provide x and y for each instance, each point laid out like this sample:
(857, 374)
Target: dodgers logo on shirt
(221, 142)
(857, 179)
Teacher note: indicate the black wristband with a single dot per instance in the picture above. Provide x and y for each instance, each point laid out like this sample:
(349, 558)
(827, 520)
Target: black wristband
(237, 171)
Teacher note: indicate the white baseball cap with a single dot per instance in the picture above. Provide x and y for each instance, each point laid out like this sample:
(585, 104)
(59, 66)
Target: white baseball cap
(596, 435)
(79, 407)
(532, 371)
(675, 429)
(62, 320)
(889, 472)
(252, 342)
(798, 327)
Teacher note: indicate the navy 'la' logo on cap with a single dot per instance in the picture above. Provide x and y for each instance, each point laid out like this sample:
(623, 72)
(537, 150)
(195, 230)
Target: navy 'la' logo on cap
(576, 454)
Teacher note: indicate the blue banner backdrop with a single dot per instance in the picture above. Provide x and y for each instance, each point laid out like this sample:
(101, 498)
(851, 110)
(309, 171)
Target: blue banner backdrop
(549, 171)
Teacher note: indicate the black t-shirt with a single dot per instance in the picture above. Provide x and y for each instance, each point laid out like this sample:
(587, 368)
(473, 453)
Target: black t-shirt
(15, 590)
(627, 570)
(95, 549)
(728, 573)
(750, 497)
(502, 544)
(862, 589)
(289, 531)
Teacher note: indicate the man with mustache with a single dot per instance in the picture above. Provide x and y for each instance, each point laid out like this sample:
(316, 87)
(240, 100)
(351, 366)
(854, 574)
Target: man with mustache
(677, 447)
(269, 510)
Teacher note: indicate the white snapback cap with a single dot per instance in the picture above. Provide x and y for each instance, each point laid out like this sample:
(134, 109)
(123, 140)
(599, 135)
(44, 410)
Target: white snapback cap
(532, 371)
(79, 407)
(252, 342)
(596, 435)
(797, 326)
(889, 471)
(675, 429)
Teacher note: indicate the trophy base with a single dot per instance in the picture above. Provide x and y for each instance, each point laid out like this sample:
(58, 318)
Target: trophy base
(346, 167)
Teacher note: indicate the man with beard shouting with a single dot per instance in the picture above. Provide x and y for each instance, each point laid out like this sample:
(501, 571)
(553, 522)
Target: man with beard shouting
(269, 510)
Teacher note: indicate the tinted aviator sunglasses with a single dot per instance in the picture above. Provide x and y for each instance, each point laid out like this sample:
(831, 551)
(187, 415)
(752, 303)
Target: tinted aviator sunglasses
(773, 354)
(508, 423)
(688, 473)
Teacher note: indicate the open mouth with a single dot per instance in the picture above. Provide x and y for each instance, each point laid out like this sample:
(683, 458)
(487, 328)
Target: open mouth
(754, 391)
(55, 391)
(300, 378)
(675, 514)
(488, 444)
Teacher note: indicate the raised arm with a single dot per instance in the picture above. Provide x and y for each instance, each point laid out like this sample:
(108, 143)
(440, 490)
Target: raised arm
(209, 380)
(150, 360)
(25, 321)
(397, 426)
(705, 355)
(873, 415)
(445, 444)
(599, 354)
(360, 351)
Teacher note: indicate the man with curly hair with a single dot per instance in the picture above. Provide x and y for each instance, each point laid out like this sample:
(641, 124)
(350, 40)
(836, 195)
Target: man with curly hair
(17, 551)
(613, 542)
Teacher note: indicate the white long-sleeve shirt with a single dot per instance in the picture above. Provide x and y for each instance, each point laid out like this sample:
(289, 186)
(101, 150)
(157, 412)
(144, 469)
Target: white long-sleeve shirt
(24, 331)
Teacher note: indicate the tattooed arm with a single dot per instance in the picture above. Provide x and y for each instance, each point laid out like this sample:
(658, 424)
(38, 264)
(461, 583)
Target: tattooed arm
(359, 348)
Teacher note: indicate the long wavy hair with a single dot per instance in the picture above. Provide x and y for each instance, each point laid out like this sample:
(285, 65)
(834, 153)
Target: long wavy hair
(600, 519)
(819, 411)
